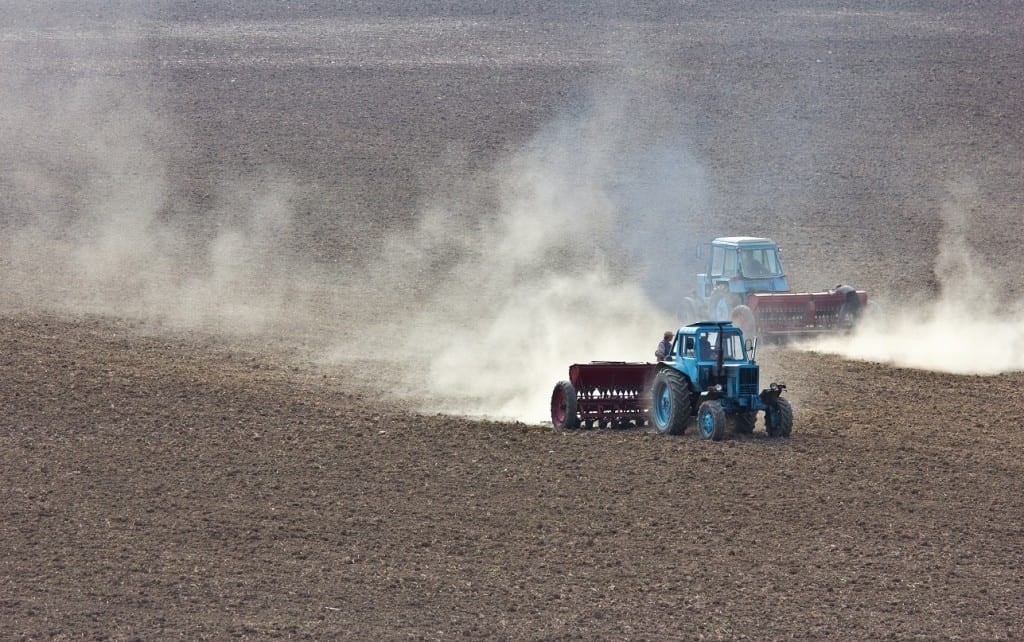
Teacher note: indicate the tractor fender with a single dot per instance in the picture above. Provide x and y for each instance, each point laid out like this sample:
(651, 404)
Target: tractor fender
(772, 393)
(668, 366)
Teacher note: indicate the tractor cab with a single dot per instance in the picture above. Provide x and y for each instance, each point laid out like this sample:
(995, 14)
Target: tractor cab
(715, 360)
(741, 265)
(704, 342)
(728, 344)
(709, 374)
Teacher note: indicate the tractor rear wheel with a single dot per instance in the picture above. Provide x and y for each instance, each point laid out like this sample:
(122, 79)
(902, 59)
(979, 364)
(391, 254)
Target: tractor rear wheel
(711, 420)
(670, 402)
(778, 419)
(563, 406)
(744, 422)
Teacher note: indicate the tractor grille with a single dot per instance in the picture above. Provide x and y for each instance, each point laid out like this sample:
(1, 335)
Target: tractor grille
(748, 380)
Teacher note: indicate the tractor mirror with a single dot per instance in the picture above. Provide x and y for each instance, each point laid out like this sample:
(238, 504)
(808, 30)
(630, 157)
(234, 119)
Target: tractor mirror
(700, 250)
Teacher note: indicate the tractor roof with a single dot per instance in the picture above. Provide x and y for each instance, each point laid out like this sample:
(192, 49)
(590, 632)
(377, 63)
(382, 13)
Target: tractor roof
(704, 325)
(744, 241)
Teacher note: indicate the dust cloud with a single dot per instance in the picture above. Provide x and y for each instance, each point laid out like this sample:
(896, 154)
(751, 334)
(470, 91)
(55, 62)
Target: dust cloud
(969, 328)
(570, 265)
(92, 224)
(567, 250)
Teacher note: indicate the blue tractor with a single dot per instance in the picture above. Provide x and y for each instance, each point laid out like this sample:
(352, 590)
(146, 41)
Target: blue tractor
(708, 373)
(744, 282)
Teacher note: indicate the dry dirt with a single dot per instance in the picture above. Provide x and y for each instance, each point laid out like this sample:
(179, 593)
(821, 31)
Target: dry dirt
(193, 485)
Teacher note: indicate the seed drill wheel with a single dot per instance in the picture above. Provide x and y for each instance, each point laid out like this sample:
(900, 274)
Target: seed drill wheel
(670, 402)
(711, 420)
(778, 419)
(563, 406)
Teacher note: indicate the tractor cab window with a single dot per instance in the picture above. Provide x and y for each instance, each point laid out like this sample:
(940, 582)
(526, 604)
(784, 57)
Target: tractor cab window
(688, 348)
(707, 345)
(717, 260)
(761, 262)
(723, 261)
(731, 344)
(730, 264)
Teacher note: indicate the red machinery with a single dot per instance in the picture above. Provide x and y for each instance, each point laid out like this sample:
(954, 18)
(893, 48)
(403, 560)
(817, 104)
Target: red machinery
(607, 393)
(744, 282)
(780, 314)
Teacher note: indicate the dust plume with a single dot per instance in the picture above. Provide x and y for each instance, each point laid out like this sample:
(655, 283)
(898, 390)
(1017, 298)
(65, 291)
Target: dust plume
(92, 223)
(969, 328)
(566, 250)
(582, 244)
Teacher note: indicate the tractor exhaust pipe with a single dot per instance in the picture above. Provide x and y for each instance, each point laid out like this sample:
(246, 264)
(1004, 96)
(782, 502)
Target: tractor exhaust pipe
(720, 357)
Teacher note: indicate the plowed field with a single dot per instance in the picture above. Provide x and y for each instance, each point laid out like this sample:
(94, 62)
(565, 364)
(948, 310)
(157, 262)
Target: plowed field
(265, 472)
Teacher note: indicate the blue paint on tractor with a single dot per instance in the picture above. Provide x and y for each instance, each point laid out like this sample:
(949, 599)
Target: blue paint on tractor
(744, 282)
(717, 365)
(663, 406)
(740, 265)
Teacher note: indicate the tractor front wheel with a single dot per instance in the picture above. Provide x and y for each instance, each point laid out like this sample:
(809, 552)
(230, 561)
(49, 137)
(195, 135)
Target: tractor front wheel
(744, 422)
(670, 402)
(563, 406)
(711, 420)
(720, 306)
(778, 419)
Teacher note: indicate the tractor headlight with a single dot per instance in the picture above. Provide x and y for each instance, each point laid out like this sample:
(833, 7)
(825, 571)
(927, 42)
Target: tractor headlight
(718, 387)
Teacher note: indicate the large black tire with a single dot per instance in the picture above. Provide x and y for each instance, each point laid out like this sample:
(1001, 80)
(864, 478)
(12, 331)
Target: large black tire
(743, 422)
(778, 419)
(564, 406)
(670, 402)
(711, 420)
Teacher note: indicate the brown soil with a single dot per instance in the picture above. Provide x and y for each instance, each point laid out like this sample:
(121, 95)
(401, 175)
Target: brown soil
(183, 485)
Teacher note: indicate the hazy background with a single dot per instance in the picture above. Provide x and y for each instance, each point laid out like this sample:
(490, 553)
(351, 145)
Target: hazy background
(536, 196)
